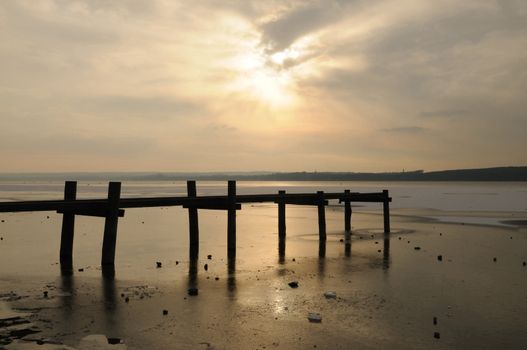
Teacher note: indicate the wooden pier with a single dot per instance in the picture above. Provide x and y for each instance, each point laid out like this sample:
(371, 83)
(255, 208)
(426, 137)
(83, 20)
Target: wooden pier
(112, 207)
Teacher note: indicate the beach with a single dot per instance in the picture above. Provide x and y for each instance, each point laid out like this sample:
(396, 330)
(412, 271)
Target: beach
(451, 274)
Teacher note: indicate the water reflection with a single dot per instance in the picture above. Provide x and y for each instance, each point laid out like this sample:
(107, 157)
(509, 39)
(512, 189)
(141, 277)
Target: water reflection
(386, 252)
(281, 250)
(321, 258)
(109, 290)
(347, 244)
(231, 277)
(67, 286)
(193, 271)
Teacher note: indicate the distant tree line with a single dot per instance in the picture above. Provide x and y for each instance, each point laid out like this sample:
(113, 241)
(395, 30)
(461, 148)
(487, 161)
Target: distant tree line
(518, 173)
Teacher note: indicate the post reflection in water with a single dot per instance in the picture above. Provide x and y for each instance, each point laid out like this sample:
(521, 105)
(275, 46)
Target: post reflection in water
(109, 292)
(67, 285)
(281, 251)
(321, 257)
(347, 244)
(193, 271)
(231, 277)
(386, 252)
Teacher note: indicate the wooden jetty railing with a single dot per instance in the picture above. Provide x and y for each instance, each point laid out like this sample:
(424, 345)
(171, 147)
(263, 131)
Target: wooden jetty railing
(113, 207)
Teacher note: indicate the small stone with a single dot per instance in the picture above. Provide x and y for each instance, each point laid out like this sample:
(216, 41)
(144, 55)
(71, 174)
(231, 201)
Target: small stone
(293, 259)
(440, 234)
(417, 248)
(209, 257)
(165, 312)
(435, 320)
(81, 270)
(114, 341)
(47, 217)
(1, 238)
(177, 262)
(408, 241)
(440, 257)
(494, 259)
(437, 335)
(158, 264)
(126, 299)
(400, 238)
(193, 291)
(524, 263)
(293, 284)
(122, 295)
(45, 294)
(217, 278)
(376, 242)
(341, 240)
(330, 295)
(378, 250)
(206, 267)
(314, 317)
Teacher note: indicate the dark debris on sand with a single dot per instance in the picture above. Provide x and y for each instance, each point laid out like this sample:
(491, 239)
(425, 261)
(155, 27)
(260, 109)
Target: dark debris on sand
(293, 284)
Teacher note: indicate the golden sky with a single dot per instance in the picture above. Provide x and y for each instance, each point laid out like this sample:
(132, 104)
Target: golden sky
(327, 85)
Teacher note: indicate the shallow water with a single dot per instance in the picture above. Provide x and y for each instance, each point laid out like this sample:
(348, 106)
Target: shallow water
(387, 291)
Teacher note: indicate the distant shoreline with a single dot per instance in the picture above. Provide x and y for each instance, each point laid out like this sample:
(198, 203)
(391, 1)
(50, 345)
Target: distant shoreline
(512, 173)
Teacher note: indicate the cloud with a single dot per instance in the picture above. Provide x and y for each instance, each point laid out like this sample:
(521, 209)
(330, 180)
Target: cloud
(279, 85)
(445, 113)
(151, 108)
(304, 18)
(405, 130)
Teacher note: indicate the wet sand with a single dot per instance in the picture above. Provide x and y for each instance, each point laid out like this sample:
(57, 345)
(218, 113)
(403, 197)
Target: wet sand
(389, 289)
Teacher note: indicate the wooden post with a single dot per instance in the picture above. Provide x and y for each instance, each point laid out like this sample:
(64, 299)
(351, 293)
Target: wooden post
(281, 215)
(347, 211)
(231, 219)
(193, 222)
(386, 211)
(322, 248)
(321, 216)
(68, 226)
(110, 224)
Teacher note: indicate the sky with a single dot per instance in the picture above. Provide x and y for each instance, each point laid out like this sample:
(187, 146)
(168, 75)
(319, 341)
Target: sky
(249, 85)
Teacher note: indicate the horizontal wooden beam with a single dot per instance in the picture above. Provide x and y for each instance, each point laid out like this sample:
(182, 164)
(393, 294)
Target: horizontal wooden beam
(212, 206)
(91, 212)
(85, 205)
(301, 201)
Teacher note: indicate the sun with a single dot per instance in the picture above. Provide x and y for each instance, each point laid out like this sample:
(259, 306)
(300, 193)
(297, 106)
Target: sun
(259, 77)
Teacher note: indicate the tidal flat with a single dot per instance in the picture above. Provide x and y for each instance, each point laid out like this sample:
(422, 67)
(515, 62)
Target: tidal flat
(445, 277)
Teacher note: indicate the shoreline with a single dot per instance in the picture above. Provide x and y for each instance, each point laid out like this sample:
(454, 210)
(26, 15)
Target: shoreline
(387, 293)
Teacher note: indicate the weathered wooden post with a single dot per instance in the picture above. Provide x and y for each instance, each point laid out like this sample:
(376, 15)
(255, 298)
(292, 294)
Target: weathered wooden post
(347, 211)
(281, 214)
(193, 221)
(321, 215)
(231, 219)
(68, 227)
(110, 225)
(386, 211)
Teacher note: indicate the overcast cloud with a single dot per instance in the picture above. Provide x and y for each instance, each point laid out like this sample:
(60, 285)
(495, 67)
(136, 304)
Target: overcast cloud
(262, 85)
